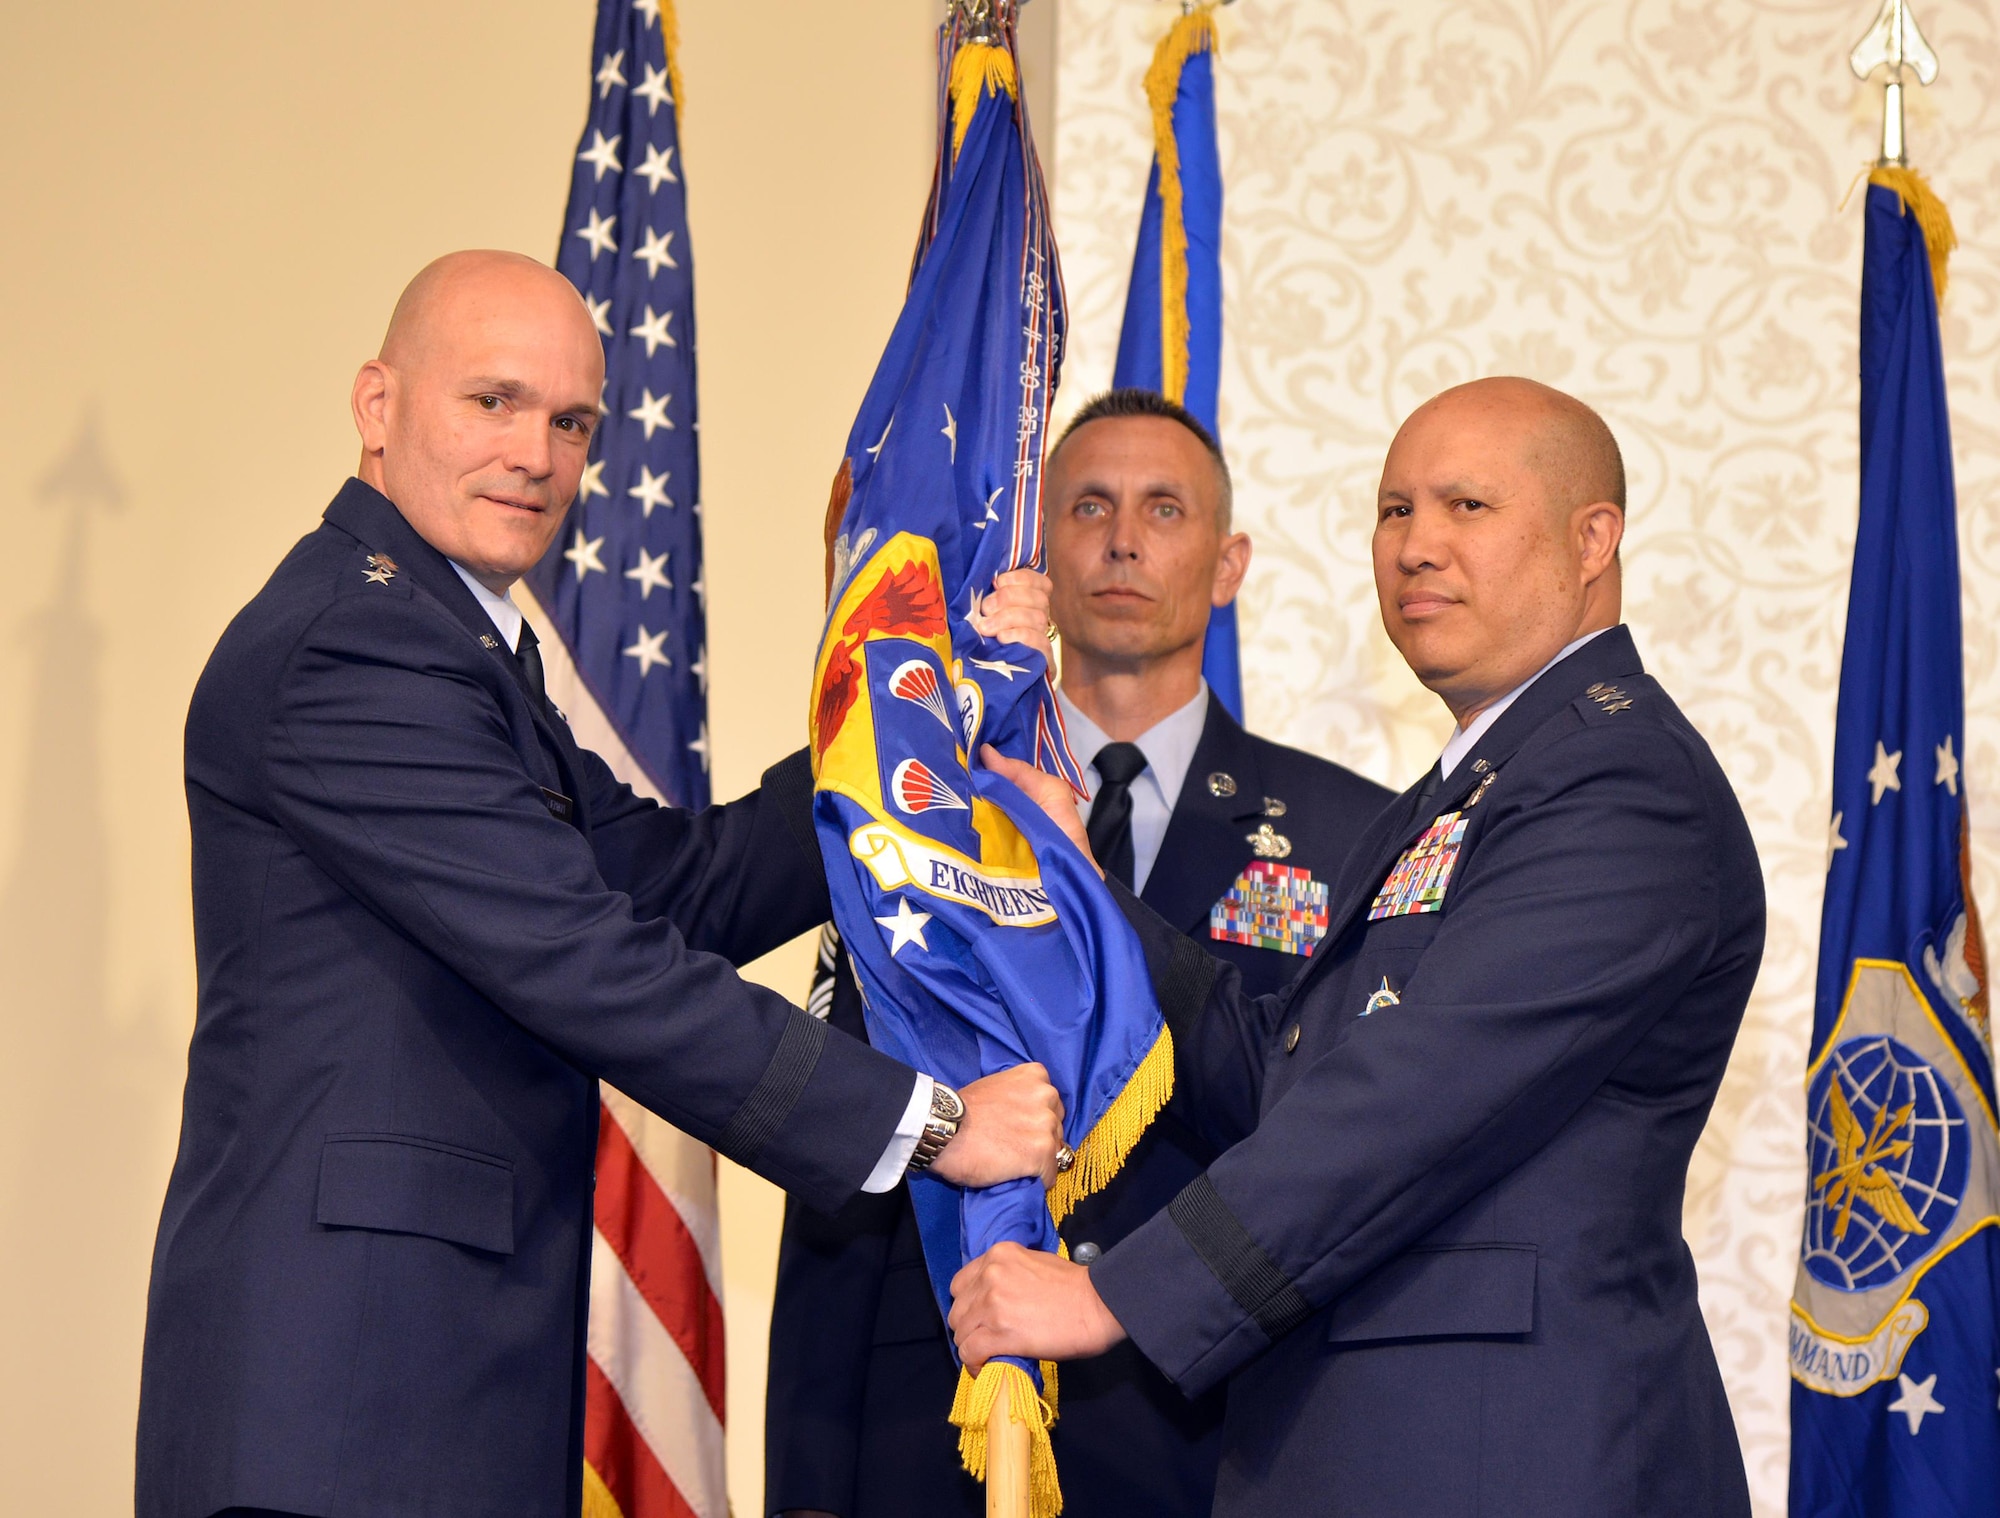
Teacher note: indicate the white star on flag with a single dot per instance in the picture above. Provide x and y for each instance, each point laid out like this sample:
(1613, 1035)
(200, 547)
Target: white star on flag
(653, 90)
(610, 73)
(950, 430)
(905, 927)
(1947, 770)
(658, 169)
(602, 155)
(651, 490)
(699, 669)
(651, 574)
(1834, 842)
(652, 415)
(653, 330)
(1882, 775)
(586, 554)
(600, 314)
(992, 516)
(1916, 1402)
(592, 482)
(876, 451)
(700, 746)
(999, 667)
(649, 649)
(600, 233)
(649, 11)
(656, 252)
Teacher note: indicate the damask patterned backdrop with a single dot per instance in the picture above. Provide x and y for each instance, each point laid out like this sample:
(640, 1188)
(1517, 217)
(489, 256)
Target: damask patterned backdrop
(1638, 201)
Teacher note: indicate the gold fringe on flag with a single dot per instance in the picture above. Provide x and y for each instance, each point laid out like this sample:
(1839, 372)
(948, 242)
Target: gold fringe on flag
(976, 69)
(973, 1408)
(1921, 201)
(597, 1499)
(670, 37)
(1193, 33)
(1111, 1139)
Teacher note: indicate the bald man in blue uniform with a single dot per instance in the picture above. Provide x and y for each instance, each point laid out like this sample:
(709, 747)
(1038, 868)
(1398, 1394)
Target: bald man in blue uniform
(1439, 1264)
(426, 925)
(1229, 837)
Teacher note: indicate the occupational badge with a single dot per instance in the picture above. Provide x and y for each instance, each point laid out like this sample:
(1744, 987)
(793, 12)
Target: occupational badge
(1268, 843)
(1382, 996)
(1417, 883)
(1272, 906)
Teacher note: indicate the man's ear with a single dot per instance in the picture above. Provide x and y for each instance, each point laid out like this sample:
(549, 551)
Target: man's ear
(1231, 565)
(1600, 528)
(373, 388)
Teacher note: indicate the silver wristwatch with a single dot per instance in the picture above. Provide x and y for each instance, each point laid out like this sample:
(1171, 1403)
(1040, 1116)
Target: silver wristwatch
(940, 1127)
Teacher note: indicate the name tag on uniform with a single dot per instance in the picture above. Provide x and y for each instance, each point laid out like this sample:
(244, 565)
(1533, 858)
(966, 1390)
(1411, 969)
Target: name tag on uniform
(1272, 906)
(560, 806)
(1417, 883)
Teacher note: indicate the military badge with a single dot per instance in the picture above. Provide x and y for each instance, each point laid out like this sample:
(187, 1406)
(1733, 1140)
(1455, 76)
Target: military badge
(1272, 906)
(1382, 996)
(381, 569)
(1417, 883)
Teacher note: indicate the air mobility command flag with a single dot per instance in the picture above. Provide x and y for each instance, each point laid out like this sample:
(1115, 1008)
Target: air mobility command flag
(1171, 341)
(981, 938)
(1895, 1337)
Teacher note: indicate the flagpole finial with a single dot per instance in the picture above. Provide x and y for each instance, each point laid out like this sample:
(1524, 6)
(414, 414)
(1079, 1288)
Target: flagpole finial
(982, 18)
(1895, 43)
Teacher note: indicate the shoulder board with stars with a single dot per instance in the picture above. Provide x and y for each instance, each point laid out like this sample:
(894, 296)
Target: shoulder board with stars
(1608, 699)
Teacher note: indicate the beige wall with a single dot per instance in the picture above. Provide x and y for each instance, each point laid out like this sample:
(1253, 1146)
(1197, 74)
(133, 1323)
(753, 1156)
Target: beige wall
(209, 210)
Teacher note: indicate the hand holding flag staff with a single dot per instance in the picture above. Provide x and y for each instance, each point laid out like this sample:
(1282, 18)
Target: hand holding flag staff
(1895, 1328)
(981, 937)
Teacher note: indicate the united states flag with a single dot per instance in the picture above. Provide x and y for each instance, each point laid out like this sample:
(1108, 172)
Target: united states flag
(619, 603)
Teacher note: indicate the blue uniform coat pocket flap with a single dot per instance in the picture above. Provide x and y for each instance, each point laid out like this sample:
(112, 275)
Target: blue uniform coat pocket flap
(1463, 1291)
(399, 1184)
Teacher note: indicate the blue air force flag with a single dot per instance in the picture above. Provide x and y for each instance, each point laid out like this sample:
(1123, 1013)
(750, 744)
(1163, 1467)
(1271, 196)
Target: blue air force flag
(1895, 1340)
(980, 937)
(623, 585)
(1171, 340)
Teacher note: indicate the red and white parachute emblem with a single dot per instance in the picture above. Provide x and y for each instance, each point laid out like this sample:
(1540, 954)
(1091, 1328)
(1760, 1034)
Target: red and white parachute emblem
(916, 789)
(916, 680)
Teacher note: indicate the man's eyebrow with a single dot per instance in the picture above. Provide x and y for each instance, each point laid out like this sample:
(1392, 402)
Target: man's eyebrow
(490, 385)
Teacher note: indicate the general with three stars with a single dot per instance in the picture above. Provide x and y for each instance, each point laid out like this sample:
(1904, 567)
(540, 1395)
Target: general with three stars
(624, 583)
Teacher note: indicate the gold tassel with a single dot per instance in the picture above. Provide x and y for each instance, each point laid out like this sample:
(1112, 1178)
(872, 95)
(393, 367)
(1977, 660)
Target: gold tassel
(973, 1406)
(597, 1499)
(978, 67)
(670, 38)
(1193, 33)
(1921, 201)
(1111, 1139)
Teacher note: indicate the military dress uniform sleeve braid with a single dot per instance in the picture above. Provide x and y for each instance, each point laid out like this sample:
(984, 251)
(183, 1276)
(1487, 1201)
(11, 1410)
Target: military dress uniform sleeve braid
(388, 760)
(1580, 916)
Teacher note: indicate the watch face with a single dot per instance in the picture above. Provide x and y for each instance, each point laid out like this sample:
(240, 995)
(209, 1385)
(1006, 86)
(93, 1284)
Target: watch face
(946, 1103)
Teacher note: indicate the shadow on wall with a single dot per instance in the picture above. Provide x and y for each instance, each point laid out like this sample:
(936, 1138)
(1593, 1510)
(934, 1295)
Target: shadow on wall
(81, 1092)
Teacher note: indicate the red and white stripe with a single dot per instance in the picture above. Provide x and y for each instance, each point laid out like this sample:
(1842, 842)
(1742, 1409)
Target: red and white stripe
(654, 1404)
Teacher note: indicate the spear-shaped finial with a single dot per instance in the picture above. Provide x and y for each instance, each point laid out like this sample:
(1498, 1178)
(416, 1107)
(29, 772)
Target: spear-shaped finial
(1894, 43)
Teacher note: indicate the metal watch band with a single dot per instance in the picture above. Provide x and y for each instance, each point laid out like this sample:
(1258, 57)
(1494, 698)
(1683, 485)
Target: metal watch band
(940, 1128)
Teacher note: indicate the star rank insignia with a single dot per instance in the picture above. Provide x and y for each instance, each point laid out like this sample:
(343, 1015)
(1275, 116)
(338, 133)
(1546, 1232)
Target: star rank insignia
(1610, 699)
(381, 569)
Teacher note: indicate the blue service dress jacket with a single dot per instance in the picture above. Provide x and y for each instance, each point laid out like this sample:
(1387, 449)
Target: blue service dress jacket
(426, 924)
(1439, 1265)
(861, 1373)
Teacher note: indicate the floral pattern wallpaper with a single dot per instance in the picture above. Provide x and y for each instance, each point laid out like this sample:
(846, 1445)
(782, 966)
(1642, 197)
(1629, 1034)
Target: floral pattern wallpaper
(1640, 201)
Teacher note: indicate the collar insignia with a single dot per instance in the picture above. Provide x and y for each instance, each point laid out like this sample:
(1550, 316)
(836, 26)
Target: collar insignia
(381, 569)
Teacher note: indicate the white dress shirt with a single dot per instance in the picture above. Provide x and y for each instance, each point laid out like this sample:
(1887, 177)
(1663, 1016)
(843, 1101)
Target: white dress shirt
(1169, 746)
(507, 619)
(1462, 741)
